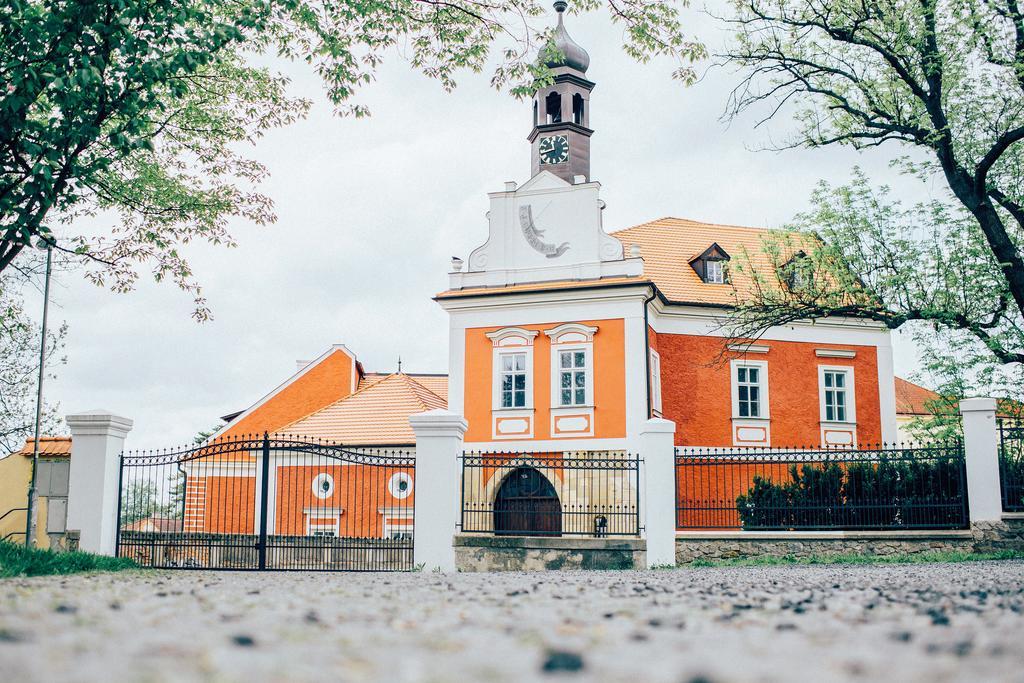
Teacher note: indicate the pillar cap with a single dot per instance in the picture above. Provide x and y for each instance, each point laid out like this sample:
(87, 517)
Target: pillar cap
(657, 425)
(98, 422)
(438, 422)
(973, 405)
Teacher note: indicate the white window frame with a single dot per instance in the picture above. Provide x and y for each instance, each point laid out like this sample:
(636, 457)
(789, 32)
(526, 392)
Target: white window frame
(655, 381)
(851, 396)
(588, 375)
(499, 356)
(721, 271)
(762, 384)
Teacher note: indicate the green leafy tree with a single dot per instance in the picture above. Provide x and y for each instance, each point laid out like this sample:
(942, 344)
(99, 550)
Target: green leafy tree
(140, 108)
(942, 82)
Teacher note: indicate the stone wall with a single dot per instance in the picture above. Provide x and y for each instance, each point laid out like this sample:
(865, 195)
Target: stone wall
(524, 553)
(982, 537)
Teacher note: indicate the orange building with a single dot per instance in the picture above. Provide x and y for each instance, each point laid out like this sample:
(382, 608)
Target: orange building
(565, 338)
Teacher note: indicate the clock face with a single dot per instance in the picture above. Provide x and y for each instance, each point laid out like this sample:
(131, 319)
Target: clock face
(554, 149)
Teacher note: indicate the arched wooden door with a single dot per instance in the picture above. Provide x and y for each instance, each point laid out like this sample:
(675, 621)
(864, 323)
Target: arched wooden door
(527, 505)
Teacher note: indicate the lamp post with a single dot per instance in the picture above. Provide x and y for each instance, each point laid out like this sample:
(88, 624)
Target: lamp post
(30, 523)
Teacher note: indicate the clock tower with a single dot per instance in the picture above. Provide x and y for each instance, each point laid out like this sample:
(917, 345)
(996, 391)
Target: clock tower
(560, 138)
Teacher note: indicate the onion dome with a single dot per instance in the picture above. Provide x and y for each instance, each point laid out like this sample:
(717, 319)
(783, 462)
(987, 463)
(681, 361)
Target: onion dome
(575, 57)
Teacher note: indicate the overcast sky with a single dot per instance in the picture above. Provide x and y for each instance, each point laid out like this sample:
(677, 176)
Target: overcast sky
(370, 212)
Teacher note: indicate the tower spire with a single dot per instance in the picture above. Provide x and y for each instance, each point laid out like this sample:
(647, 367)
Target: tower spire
(561, 111)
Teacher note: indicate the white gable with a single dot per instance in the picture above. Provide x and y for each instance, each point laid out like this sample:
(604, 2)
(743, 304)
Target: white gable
(545, 230)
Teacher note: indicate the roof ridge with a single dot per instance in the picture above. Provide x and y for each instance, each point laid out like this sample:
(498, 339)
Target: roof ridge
(359, 390)
(427, 389)
(693, 220)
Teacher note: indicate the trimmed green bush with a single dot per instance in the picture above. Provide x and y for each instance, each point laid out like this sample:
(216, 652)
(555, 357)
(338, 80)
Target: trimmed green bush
(885, 493)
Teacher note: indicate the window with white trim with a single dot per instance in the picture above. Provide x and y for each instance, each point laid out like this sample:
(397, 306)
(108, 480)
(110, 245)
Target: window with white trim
(323, 485)
(572, 377)
(655, 381)
(749, 389)
(836, 398)
(513, 382)
(714, 272)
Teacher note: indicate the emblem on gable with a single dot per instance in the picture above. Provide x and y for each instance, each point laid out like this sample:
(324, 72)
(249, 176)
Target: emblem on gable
(533, 235)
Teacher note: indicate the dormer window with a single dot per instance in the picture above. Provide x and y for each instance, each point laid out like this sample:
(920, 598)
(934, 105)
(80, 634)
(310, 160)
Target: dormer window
(796, 273)
(710, 265)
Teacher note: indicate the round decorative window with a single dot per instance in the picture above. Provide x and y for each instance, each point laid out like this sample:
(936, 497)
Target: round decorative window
(323, 485)
(400, 485)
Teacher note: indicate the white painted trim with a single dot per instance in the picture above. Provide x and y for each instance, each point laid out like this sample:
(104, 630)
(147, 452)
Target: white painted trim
(315, 485)
(745, 423)
(765, 406)
(749, 348)
(526, 414)
(507, 336)
(288, 382)
(568, 412)
(835, 353)
(585, 331)
(393, 483)
(851, 394)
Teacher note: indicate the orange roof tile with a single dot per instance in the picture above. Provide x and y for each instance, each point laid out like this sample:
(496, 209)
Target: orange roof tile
(49, 446)
(376, 414)
(667, 246)
(912, 399)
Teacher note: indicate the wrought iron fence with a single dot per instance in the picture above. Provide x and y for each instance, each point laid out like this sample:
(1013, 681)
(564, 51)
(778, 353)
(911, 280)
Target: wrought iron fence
(594, 494)
(791, 489)
(1011, 465)
(268, 502)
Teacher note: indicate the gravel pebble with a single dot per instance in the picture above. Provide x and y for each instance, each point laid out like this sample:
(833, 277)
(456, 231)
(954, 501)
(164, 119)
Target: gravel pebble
(933, 623)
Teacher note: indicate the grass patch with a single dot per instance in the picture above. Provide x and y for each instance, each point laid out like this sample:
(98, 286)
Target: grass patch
(916, 558)
(17, 560)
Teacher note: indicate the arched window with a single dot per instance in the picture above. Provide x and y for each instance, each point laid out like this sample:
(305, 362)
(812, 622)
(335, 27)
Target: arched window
(553, 107)
(535, 112)
(577, 109)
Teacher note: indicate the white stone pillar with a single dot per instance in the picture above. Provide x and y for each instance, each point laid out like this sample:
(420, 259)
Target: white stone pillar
(658, 493)
(981, 443)
(438, 446)
(97, 439)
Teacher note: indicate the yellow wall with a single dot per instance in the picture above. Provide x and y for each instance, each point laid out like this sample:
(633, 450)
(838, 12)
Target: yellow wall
(15, 473)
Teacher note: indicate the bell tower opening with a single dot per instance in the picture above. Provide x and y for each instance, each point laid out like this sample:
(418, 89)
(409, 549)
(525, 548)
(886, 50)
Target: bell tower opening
(553, 108)
(560, 137)
(577, 109)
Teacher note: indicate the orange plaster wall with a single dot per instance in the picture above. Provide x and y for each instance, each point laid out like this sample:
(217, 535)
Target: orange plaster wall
(696, 390)
(609, 379)
(327, 382)
(360, 490)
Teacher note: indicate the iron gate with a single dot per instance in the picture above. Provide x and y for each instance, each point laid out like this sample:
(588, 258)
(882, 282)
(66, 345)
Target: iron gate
(268, 502)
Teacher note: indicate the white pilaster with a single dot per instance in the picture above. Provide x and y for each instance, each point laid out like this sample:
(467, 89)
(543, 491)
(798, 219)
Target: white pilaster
(97, 439)
(657, 448)
(981, 443)
(439, 436)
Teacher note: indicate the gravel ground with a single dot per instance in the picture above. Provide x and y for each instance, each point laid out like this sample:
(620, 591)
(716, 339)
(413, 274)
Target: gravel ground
(958, 622)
